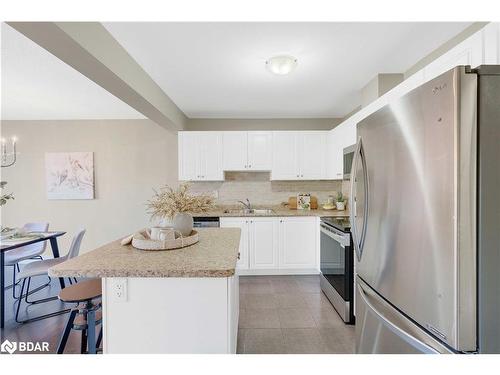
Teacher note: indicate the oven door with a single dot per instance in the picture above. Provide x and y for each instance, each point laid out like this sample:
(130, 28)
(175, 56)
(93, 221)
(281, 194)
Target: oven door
(334, 259)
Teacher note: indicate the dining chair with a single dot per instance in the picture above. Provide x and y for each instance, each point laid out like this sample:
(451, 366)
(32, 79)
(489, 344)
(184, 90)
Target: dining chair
(41, 268)
(14, 257)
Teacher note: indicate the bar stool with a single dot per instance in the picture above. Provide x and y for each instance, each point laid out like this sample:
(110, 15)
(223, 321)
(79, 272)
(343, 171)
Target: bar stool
(85, 316)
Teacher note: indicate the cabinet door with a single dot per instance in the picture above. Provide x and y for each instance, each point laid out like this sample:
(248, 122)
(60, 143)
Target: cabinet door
(491, 37)
(285, 166)
(335, 155)
(235, 151)
(298, 242)
(469, 52)
(210, 156)
(312, 161)
(188, 156)
(233, 293)
(259, 151)
(264, 243)
(241, 223)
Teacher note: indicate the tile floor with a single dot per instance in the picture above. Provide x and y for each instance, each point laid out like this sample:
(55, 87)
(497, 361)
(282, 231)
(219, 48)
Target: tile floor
(289, 314)
(278, 314)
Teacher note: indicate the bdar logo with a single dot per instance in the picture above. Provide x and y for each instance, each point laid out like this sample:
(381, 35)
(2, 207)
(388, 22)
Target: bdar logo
(9, 347)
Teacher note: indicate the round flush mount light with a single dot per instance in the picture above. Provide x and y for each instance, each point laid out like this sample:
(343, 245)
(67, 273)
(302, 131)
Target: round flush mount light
(281, 65)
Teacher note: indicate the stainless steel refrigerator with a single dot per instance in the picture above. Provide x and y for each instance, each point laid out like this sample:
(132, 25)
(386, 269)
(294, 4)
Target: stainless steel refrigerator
(425, 218)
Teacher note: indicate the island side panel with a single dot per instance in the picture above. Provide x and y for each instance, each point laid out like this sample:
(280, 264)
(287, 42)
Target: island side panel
(170, 315)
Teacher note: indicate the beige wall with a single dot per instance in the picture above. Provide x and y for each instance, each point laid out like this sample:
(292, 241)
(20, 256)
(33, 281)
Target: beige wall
(262, 124)
(131, 157)
(378, 86)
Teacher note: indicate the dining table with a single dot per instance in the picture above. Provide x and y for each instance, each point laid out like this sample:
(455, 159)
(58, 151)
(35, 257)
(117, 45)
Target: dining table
(13, 243)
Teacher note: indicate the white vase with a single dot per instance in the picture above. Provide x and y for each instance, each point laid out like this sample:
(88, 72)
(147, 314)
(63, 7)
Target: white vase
(340, 206)
(165, 222)
(183, 222)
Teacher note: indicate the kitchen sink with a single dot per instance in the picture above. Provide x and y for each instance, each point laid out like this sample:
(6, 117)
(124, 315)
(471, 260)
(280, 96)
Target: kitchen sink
(250, 211)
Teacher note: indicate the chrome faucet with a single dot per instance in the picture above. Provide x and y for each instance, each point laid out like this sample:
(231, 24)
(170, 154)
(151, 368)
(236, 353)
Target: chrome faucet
(247, 205)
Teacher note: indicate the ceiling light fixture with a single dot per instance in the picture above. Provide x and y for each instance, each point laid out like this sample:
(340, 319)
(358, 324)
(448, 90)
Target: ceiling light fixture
(281, 65)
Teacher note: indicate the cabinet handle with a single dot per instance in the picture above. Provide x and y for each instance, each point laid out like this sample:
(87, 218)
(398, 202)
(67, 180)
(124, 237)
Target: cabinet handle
(239, 256)
(249, 166)
(301, 175)
(298, 176)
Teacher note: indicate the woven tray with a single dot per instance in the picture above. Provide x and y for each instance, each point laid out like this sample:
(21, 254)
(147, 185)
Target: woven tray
(142, 241)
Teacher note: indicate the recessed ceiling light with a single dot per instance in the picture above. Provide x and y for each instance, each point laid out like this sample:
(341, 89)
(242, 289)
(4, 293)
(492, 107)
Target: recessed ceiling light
(281, 65)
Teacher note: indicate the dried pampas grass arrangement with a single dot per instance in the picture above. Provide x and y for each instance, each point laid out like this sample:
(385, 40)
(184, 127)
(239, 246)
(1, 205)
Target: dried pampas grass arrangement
(167, 202)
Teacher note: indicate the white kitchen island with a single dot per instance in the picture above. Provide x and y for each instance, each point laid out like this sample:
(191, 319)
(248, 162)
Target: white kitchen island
(178, 301)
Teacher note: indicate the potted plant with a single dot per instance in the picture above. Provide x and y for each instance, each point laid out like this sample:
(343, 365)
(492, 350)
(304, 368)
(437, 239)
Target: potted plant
(340, 202)
(5, 197)
(177, 205)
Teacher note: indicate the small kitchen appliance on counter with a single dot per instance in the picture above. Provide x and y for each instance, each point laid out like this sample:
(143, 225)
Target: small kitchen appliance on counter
(337, 265)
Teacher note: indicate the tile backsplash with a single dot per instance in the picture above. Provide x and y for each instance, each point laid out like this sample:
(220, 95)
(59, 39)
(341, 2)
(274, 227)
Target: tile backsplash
(257, 187)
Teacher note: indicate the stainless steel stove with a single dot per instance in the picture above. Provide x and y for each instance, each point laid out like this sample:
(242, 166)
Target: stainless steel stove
(337, 265)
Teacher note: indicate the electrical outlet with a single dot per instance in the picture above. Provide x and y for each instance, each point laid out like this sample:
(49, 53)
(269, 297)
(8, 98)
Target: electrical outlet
(120, 289)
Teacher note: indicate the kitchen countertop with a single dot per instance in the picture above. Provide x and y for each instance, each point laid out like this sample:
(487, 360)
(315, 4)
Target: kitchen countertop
(278, 211)
(215, 255)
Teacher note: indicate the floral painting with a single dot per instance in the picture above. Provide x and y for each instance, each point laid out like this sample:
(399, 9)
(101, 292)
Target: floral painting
(70, 175)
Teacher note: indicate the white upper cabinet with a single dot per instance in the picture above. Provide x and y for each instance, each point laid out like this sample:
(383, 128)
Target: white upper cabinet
(312, 155)
(200, 156)
(335, 156)
(491, 37)
(260, 148)
(340, 137)
(188, 156)
(247, 151)
(235, 153)
(285, 156)
(469, 52)
(299, 155)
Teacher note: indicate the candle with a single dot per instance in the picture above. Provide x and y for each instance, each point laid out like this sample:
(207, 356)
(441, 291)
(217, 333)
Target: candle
(4, 149)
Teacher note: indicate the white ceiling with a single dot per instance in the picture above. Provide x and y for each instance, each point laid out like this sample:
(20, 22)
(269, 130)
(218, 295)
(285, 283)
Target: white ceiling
(217, 69)
(36, 85)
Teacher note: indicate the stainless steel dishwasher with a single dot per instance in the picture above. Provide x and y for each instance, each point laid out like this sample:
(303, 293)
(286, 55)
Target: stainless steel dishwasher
(206, 222)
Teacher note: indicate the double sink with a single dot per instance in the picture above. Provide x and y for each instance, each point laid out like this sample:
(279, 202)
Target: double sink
(250, 211)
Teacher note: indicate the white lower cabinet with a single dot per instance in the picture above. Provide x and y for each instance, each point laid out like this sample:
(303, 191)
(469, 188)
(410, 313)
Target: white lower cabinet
(276, 245)
(298, 242)
(242, 223)
(263, 236)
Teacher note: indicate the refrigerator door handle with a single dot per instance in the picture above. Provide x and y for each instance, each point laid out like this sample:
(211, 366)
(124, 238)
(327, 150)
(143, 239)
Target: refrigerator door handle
(358, 238)
(409, 337)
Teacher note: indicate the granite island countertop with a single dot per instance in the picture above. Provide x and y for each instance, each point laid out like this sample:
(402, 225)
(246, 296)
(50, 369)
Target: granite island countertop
(279, 210)
(215, 255)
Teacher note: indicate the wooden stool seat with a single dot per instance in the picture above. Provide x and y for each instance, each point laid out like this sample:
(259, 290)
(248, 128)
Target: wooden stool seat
(85, 316)
(82, 291)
